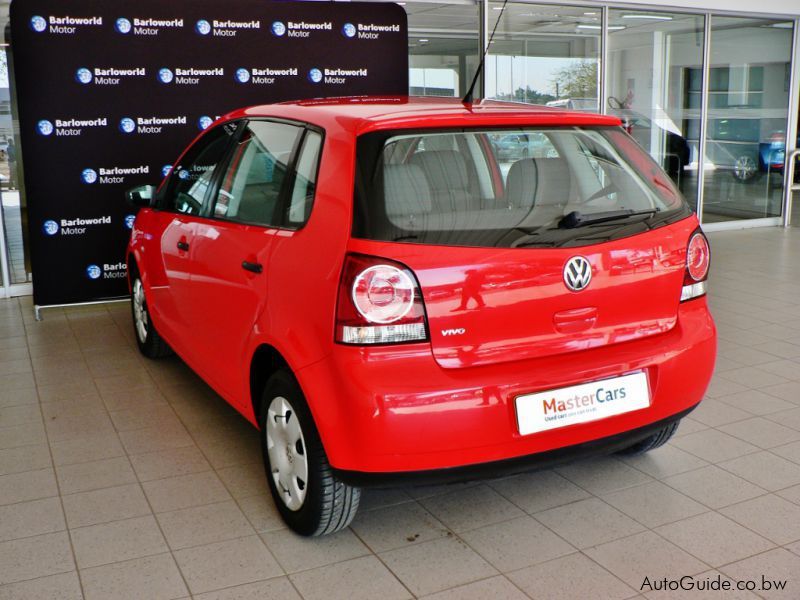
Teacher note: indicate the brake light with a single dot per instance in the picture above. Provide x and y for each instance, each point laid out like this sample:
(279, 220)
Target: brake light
(698, 260)
(379, 303)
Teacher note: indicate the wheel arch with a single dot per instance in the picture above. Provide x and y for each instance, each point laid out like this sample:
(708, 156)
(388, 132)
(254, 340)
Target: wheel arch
(266, 361)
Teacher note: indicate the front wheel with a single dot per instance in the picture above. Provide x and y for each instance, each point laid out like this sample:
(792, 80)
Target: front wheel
(658, 439)
(309, 497)
(744, 168)
(150, 343)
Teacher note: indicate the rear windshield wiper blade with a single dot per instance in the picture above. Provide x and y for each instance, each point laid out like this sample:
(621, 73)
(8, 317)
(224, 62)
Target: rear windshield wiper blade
(577, 219)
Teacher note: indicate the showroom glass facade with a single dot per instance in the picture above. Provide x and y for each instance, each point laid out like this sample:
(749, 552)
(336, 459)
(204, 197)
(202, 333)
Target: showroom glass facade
(710, 96)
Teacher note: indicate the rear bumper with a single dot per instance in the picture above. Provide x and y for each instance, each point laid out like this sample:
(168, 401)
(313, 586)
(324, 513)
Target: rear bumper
(394, 410)
(510, 466)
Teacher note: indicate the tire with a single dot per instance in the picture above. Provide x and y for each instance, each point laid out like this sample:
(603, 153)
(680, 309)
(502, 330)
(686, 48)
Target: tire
(321, 504)
(149, 341)
(744, 168)
(658, 439)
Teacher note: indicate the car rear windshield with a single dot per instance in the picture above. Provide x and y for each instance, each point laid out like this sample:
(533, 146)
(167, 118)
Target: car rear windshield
(505, 188)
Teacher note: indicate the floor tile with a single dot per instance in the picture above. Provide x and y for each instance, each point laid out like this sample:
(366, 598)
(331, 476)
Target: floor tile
(570, 577)
(757, 402)
(714, 487)
(260, 510)
(277, 588)
(30, 485)
(22, 435)
(654, 504)
(103, 506)
(64, 586)
(396, 526)
(775, 566)
(765, 469)
(28, 519)
(714, 539)
(152, 577)
(204, 525)
(535, 492)
(169, 463)
(363, 578)
(296, 553)
(117, 541)
(33, 557)
(225, 564)
(645, 555)
(516, 544)
(84, 477)
(714, 446)
(87, 449)
(185, 491)
(773, 517)
(24, 458)
(152, 439)
(436, 565)
(761, 432)
(468, 509)
(665, 461)
(496, 588)
(244, 480)
(603, 475)
(588, 523)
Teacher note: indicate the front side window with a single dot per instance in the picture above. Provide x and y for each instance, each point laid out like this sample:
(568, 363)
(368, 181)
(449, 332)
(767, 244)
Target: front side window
(251, 189)
(509, 188)
(190, 180)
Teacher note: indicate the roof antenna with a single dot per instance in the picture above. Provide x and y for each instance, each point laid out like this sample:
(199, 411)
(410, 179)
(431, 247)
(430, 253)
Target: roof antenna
(468, 97)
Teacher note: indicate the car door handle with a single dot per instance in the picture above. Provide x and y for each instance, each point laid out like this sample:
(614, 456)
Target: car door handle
(183, 246)
(253, 267)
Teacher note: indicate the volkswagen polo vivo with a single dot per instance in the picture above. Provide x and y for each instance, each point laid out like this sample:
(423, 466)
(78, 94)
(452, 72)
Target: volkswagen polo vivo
(368, 284)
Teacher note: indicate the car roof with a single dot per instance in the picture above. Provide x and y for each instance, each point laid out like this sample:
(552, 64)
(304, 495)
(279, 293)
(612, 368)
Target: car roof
(361, 114)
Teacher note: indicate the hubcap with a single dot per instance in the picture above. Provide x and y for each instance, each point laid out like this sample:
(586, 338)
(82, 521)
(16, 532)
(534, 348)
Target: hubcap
(140, 317)
(744, 168)
(286, 448)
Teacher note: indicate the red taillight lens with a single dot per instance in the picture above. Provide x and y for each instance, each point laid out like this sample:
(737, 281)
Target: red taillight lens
(379, 303)
(698, 260)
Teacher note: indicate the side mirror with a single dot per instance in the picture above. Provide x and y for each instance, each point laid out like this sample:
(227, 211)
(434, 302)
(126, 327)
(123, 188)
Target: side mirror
(142, 196)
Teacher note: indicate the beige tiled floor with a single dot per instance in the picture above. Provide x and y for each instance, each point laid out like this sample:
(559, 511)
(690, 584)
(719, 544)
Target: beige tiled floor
(125, 478)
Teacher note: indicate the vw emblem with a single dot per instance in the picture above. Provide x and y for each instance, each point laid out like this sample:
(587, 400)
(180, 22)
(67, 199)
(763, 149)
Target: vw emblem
(577, 273)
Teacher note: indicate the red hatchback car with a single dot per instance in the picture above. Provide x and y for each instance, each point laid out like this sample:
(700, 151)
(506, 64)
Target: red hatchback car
(366, 281)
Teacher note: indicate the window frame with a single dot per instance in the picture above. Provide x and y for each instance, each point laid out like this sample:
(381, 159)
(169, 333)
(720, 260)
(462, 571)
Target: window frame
(165, 200)
(287, 186)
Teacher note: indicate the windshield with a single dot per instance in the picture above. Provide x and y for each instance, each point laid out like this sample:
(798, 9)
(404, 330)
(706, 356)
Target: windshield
(509, 188)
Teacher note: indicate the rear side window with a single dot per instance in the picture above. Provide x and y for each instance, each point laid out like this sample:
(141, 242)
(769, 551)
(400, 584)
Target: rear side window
(251, 188)
(519, 188)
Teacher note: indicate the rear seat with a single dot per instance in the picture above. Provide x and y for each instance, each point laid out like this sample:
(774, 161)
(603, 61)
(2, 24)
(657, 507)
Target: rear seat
(447, 175)
(538, 182)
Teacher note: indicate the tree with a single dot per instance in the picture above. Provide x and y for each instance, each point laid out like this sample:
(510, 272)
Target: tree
(578, 80)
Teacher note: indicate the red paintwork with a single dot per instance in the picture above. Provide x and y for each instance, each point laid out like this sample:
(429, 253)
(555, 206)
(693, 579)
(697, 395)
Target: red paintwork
(447, 402)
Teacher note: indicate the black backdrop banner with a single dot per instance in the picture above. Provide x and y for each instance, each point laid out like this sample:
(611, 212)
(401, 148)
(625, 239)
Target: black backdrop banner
(111, 92)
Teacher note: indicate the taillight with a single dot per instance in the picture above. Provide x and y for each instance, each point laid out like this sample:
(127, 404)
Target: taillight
(698, 260)
(379, 303)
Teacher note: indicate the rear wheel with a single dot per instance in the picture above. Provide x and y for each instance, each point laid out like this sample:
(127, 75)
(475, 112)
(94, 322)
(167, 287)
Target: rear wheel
(311, 500)
(150, 343)
(659, 438)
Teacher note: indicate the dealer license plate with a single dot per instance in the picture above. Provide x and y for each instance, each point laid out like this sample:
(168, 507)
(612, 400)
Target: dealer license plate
(582, 403)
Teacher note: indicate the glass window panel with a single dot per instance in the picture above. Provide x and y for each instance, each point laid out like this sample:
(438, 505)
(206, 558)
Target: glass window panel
(443, 47)
(654, 83)
(545, 55)
(747, 115)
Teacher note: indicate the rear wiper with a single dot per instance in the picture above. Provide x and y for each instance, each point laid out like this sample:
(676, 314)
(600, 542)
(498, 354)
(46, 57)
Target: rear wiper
(577, 219)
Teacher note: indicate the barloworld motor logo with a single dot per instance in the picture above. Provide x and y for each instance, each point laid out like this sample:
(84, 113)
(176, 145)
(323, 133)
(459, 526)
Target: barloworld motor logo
(83, 75)
(123, 25)
(38, 23)
(94, 272)
(129, 221)
(45, 127)
(204, 122)
(349, 30)
(89, 176)
(165, 170)
(165, 75)
(127, 125)
(203, 27)
(242, 75)
(315, 75)
(50, 227)
(278, 29)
